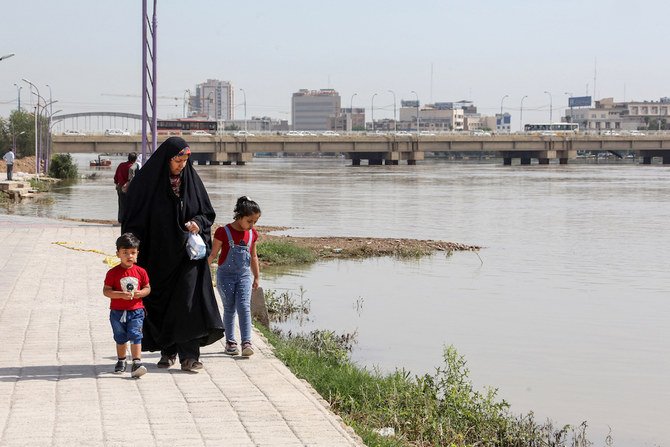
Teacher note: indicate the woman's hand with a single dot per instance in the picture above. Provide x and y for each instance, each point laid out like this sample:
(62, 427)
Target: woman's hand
(192, 227)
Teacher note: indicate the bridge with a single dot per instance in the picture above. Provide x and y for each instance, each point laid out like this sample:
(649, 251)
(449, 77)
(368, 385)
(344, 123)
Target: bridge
(383, 149)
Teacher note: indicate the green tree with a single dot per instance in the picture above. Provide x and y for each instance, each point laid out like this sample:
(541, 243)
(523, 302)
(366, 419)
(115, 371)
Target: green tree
(19, 129)
(62, 166)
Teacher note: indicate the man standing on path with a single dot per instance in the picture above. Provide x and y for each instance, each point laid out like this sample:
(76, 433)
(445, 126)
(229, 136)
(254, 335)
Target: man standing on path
(9, 159)
(121, 180)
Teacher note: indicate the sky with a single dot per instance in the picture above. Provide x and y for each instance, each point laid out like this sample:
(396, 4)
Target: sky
(479, 50)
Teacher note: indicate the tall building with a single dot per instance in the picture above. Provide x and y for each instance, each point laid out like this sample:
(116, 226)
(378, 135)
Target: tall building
(213, 99)
(314, 109)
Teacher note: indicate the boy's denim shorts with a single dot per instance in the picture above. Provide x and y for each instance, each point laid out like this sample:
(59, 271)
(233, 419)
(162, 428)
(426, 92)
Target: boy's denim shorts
(130, 329)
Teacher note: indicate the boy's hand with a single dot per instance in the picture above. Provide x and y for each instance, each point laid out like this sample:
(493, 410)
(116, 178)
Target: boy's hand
(254, 286)
(128, 295)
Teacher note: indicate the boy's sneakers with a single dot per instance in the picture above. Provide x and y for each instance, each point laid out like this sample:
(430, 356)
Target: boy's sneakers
(231, 348)
(247, 349)
(138, 370)
(120, 366)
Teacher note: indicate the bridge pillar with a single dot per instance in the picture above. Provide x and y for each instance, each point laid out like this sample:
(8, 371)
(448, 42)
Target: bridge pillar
(411, 162)
(562, 161)
(646, 160)
(375, 161)
(543, 161)
(507, 161)
(355, 162)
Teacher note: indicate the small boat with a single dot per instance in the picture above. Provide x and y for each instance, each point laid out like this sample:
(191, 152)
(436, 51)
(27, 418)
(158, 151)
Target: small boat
(101, 162)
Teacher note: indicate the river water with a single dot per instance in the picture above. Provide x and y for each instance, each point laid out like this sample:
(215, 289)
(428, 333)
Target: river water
(565, 310)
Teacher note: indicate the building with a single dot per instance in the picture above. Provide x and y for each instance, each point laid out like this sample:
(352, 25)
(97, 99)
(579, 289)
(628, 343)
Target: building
(315, 109)
(441, 116)
(349, 119)
(503, 123)
(256, 124)
(213, 99)
(632, 115)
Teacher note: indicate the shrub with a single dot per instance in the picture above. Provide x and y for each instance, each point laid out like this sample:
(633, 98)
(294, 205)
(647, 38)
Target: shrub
(63, 167)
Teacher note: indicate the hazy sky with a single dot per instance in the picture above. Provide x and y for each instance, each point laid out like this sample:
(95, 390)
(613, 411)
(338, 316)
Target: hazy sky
(444, 50)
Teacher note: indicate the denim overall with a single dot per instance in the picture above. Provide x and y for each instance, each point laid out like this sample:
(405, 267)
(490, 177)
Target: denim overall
(234, 280)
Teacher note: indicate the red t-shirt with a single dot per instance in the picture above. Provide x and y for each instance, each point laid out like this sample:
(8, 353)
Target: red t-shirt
(118, 278)
(221, 235)
(121, 174)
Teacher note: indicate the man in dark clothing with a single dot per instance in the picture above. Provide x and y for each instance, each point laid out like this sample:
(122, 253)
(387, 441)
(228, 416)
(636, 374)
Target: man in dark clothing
(120, 180)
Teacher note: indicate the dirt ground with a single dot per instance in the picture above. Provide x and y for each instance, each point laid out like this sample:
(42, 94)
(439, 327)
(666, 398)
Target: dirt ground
(357, 247)
(352, 247)
(25, 164)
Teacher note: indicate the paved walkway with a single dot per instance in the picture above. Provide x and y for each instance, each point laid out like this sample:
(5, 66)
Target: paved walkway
(57, 356)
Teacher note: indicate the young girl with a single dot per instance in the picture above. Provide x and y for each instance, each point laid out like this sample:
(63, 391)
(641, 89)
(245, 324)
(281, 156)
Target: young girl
(237, 263)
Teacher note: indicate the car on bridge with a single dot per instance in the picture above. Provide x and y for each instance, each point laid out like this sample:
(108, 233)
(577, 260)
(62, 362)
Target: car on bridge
(200, 133)
(73, 132)
(116, 132)
(330, 133)
(243, 133)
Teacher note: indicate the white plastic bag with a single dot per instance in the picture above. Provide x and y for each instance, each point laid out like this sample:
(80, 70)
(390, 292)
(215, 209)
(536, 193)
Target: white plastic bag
(195, 247)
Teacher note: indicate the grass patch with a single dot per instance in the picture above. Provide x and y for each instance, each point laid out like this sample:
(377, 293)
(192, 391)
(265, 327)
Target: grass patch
(434, 409)
(40, 185)
(279, 252)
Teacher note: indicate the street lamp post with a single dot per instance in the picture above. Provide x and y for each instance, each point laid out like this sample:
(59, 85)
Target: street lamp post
(244, 95)
(372, 111)
(569, 103)
(501, 112)
(351, 112)
(187, 100)
(551, 107)
(49, 145)
(6, 56)
(18, 94)
(37, 170)
(395, 122)
(417, 111)
(521, 113)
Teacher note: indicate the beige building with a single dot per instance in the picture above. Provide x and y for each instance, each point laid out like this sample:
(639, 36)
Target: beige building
(432, 117)
(213, 99)
(608, 114)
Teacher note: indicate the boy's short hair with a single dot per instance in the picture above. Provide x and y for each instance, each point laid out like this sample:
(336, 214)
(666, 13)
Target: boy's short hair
(127, 240)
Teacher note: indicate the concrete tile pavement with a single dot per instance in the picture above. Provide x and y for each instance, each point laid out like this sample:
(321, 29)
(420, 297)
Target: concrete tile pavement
(57, 356)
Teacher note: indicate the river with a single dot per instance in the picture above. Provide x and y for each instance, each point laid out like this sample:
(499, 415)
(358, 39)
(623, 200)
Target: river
(565, 310)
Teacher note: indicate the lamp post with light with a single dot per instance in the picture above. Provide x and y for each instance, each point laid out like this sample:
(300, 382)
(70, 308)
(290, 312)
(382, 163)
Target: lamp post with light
(417, 111)
(521, 113)
(395, 122)
(551, 107)
(18, 94)
(244, 94)
(372, 111)
(351, 112)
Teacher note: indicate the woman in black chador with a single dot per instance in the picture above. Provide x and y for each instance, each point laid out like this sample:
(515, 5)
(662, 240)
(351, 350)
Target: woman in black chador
(166, 201)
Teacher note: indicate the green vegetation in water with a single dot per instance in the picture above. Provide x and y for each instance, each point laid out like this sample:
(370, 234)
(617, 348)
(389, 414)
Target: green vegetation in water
(284, 253)
(441, 409)
(63, 167)
(281, 305)
(40, 185)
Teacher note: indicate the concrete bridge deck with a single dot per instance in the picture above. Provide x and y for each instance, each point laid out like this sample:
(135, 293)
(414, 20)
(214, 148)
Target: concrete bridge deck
(378, 149)
(57, 355)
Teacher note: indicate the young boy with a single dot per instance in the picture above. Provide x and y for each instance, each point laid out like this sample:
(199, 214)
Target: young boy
(125, 286)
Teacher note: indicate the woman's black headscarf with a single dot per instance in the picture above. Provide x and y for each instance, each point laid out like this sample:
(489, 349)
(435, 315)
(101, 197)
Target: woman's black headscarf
(182, 305)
